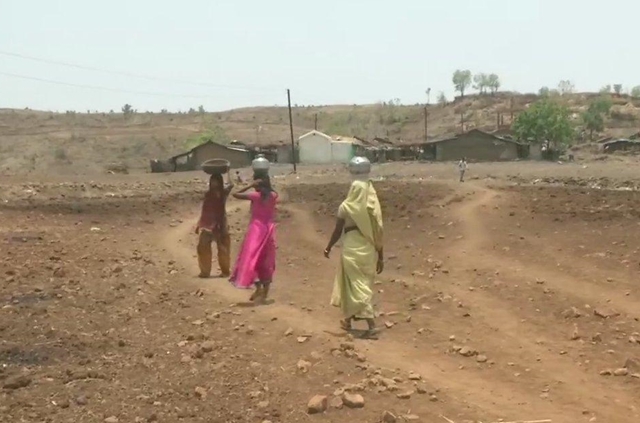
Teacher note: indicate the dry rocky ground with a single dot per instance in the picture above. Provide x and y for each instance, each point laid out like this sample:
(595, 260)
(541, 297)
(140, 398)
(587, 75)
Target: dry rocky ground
(501, 300)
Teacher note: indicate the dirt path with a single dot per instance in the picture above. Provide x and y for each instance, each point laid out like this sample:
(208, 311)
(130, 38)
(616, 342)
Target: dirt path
(527, 366)
(577, 387)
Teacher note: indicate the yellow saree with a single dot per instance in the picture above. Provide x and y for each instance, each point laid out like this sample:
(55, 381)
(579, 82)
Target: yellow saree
(352, 288)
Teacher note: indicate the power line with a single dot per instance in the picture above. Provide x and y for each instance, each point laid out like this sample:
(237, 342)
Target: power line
(95, 87)
(129, 74)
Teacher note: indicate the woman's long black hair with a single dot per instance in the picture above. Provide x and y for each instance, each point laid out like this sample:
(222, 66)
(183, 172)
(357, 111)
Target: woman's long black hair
(217, 177)
(265, 187)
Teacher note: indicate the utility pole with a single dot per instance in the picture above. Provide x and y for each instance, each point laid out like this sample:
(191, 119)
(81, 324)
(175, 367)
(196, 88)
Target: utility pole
(511, 107)
(293, 145)
(426, 115)
(315, 122)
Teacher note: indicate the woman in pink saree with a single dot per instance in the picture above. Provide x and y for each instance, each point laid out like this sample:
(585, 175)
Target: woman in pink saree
(256, 261)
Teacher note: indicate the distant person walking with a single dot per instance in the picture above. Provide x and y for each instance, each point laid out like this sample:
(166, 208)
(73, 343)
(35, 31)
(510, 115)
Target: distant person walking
(256, 261)
(212, 226)
(462, 168)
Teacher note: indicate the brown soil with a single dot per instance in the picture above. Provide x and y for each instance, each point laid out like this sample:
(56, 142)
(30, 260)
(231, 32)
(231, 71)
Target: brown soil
(506, 301)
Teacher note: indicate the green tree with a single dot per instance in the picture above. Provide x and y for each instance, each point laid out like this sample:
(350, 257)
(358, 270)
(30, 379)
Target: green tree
(593, 117)
(201, 109)
(544, 92)
(127, 109)
(481, 82)
(442, 99)
(493, 82)
(601, 105)
(605, 90)
(461, 81)
(215, 134)
(635, 91)
(617, 88)
(544, 121)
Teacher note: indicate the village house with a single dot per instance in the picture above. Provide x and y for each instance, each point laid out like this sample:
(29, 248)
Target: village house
(318, 148)
(475, 145)
(194, 158)
(621, 145)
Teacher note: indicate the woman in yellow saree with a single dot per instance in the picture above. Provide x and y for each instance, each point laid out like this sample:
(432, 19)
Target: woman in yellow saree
(359, 224)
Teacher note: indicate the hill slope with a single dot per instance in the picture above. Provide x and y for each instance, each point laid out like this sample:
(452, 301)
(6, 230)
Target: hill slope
(74, 143)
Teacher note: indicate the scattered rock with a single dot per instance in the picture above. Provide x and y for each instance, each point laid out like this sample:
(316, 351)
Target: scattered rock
(606, 373)
(336, 402)
(288, 332)
(621, 372)
(82, 400)
(482, 359)
(201, 392)
(388, 417)
(317, 404)
(414, 376)
(605, 313)
(112, 419)
(353, 400)
(302, 339)
(389, 325)
(467, 352)
(633, 364)
(410, 417)
(303, 366)
(208, 346)
(572, 313)
(405, 395)
(347, 346)
(16, 382)
(575, 335)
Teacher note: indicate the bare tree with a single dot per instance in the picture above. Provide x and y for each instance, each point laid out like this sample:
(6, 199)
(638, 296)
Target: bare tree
(566, 87)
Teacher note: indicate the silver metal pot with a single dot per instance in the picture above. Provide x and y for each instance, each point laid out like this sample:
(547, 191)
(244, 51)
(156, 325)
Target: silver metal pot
(260, 164)
(359, 166)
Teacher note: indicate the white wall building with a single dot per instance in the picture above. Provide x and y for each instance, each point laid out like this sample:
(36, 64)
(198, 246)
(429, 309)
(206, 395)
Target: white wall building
(315, 148)
(341, 151)
(318, 148)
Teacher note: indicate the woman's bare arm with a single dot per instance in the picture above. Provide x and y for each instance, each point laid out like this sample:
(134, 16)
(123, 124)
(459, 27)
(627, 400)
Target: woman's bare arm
(229, 185)
(335, 236)
(240, 195)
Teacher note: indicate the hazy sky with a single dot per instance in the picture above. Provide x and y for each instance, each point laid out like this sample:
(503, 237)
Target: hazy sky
(329, 51)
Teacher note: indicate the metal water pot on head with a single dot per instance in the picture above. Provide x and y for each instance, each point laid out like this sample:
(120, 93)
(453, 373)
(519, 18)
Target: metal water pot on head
(260, 165)
(359, 168)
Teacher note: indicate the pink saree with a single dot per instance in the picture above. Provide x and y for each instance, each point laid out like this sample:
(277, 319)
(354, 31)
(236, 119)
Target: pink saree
(257, 258)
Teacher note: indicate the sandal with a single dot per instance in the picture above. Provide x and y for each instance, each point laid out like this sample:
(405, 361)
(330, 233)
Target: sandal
(370, 334)
(256, 293)
(345, 324)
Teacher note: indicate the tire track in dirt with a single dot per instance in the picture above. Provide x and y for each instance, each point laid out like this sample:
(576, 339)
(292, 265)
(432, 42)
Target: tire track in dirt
(506, 398)
(475, 252)
(576, 388)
